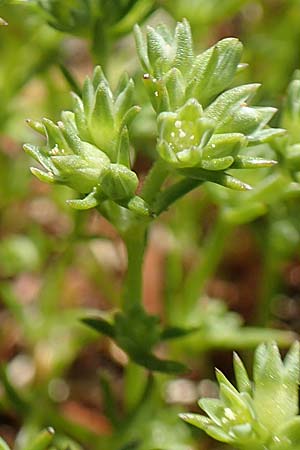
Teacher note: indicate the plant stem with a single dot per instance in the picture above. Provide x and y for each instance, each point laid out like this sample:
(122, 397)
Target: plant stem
(101, 45)
(204, 269)
(70, 79)
(135, 241)
(173, 193)
(269, 282)
(154, 180)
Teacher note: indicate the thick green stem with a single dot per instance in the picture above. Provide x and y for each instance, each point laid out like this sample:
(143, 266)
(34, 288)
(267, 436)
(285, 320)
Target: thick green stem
(135, 241)
(205, 268)
(154, 181)
(173, 193)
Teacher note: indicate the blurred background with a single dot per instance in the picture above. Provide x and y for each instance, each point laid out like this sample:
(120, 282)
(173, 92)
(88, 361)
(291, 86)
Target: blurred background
(56, 263)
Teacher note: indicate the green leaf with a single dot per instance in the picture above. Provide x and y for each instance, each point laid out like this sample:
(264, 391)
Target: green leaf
(267, 135)
(102, 119)
(42, 441)
(223, 106)
(88, 96)
(54, 135)
(241, 376)
(36, 153)
(124, 101)
(110, 407)
(153, 363)
(176, 332)
(118, 182)
(233, 400)
(46, 177)
(123, 148)
(217, 163)
(175, 86)
(100, 325)
(292, 364)
(213, 408)
(197, 420)
(69, 130)
(98, 78)
(184, 46)
(15, 398)
(248, 162)
(157, 46)
(36, 126)
(141, 48)
(214, 69)
(221, 145)
(219, 434)
(221, 178)
(222, 379)
(272, 368)
(137, 205)
(90, 201)
(80, 117)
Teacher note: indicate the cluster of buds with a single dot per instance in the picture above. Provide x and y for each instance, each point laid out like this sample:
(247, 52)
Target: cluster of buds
(203, 126)
(69, 16)
(84, 17)
(201, 123)
(257, 415)
(88, 149)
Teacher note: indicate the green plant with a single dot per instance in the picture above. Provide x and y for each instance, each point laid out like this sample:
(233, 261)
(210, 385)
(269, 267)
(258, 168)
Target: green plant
(262, 414)
(131, 152)
(202, 128)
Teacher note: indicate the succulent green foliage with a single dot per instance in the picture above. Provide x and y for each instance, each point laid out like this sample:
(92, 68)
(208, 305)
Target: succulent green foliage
(258, 414)
(88, 149)
(174, 73)
(201, 122)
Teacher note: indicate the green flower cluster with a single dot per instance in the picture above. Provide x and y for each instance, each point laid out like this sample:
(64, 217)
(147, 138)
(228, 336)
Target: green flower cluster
(88, 17)
(88, 150)
(73, 16)
(201, 122)
(258, 415)
(203, 127)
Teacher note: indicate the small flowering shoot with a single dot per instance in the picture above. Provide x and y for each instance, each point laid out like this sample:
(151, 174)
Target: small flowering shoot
(204, 129)
(259, 414)
(89, 150)
(204, 126)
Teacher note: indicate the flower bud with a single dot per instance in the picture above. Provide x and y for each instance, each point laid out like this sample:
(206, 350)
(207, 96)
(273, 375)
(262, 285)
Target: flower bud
(118, 182)
(182, 135)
